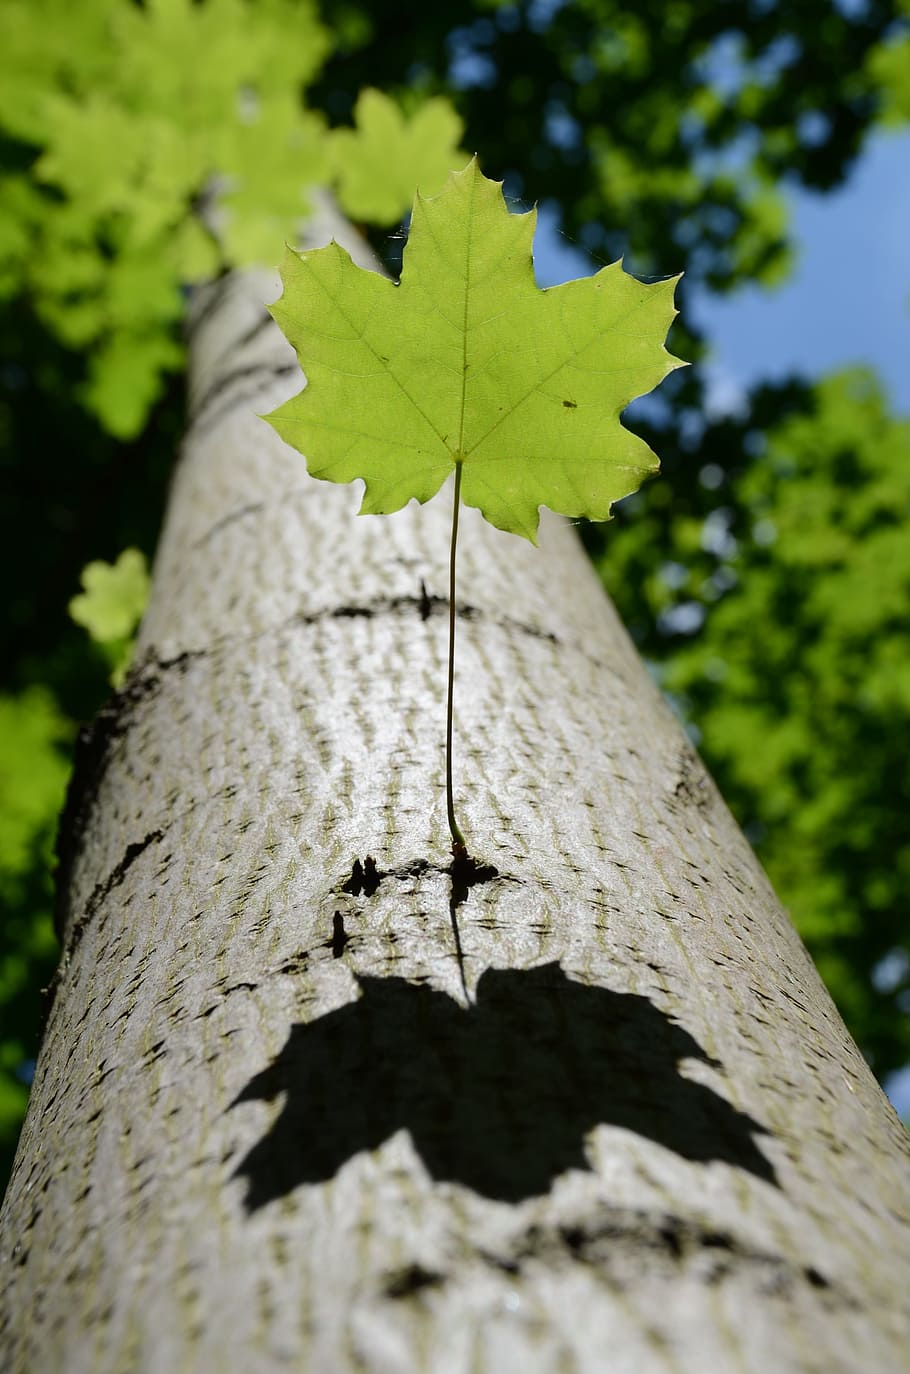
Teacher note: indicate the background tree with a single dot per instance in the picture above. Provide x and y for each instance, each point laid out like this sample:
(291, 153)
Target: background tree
(659, 131)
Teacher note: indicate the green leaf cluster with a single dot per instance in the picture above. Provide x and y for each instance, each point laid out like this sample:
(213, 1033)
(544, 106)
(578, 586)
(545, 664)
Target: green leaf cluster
(34, 767)
(662, 131)
(33, 773)
(111, 605)
(412, 152)
(160, 143)
(889, 68)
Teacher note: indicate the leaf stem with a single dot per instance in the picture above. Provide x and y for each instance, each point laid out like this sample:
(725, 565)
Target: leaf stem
(458, 841)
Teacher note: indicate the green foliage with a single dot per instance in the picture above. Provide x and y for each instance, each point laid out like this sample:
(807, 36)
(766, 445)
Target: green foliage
(662, 131)
(467, 362)
(419, 152)
(27, 961)
(33, 773)
(798, 680)
(889, 68)
(159, 143)
(112, 604)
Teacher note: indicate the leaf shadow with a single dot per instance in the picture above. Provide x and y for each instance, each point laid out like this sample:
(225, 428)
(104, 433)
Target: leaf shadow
(498, 1096)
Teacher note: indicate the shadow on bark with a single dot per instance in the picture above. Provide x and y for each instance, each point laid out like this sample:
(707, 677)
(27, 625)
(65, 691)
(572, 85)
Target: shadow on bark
(497, 1097)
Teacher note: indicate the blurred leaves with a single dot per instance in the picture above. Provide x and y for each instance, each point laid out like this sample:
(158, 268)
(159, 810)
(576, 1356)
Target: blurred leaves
(112, 604)
(33, 773)
(34, 768)
(159, 144)
(889, 68)
(416, 152)
(663, 131)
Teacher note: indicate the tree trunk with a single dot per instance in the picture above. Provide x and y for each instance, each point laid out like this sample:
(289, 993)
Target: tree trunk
(587, 1108)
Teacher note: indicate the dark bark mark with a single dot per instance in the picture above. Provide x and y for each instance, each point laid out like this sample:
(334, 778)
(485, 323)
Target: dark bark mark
(236, 346)
(214, 293)
(227, 380)
(180, 661)
(296, 964)
(364, 878)
(410, 1280)
(251, 509)
(425, 605)
(92, 753)
(618, 1242)
(225, 993)
(117, 875)
(463, 872)
(262, 324)
(692, 786)
(94, 747)
(466, 873)
(534, 1064)
(205, 413)
(100, 891)
(370, 876)
(340, 936)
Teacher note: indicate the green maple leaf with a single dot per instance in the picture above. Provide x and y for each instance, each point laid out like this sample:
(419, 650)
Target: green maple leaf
(114, 598)
(468, 364)
(33, 774)
(379, 164)
(111, 606)
(467, 367)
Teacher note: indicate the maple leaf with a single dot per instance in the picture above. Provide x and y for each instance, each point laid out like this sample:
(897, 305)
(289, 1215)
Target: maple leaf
(467, 363)
(114, 596)
(379, 164)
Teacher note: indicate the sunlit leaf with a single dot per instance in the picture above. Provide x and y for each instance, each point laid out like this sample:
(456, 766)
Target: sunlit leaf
(468, 362)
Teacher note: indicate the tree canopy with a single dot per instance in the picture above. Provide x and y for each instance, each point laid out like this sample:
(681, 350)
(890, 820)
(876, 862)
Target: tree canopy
(149, 146)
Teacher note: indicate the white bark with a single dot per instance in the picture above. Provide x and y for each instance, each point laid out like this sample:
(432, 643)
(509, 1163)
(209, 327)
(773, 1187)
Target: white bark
(267, 1130)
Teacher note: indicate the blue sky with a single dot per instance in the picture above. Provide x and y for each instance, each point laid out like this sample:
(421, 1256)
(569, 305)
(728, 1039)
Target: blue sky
(848, 299)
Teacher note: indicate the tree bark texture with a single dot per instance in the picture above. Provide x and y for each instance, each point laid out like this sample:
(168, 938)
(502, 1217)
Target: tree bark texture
(587, 1108)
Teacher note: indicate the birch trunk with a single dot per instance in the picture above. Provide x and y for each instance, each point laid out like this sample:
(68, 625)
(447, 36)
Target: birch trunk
(592, 1112)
